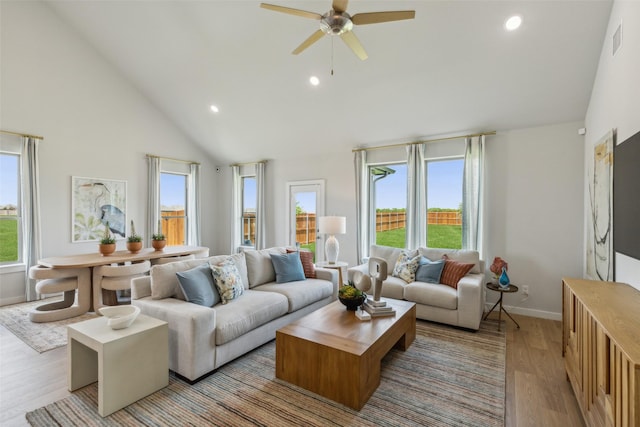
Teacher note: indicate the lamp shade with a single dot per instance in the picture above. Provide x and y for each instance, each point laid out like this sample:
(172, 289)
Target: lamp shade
(332, 225)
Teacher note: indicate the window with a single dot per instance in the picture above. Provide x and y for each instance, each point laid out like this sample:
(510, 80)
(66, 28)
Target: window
(388, 202)
(10, 227)
(249, 201)
(173, 203)
(444, 203)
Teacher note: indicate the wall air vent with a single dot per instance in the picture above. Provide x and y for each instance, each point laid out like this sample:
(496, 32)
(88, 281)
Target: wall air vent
(617, 39)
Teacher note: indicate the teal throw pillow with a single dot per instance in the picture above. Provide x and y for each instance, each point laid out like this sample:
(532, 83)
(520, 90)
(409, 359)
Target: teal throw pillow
(429, 271)
(198, 287)
(288, 267)
(228, 281)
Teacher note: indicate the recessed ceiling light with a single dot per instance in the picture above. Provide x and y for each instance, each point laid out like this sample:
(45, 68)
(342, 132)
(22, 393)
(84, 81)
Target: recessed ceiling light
(513, 23)
(214, 109)
(314, 80)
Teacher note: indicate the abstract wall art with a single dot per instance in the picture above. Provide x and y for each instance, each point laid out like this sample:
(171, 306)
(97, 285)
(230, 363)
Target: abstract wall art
(94, 202)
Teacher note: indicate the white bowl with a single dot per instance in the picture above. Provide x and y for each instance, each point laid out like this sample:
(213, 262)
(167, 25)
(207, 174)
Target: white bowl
(120, 316)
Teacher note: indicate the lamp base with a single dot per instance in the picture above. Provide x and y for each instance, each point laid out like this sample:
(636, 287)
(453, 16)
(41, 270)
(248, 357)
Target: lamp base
(332, 248)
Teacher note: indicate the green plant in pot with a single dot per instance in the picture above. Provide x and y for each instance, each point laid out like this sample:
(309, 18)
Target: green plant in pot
(107, 242)
(134, 240)
(158, 239)
(351, 296)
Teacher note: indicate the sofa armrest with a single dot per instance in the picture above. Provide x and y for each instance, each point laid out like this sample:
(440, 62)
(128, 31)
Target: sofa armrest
(191, 334)
(470, 300)
(331, 275)
(140, 287)
(362, 268)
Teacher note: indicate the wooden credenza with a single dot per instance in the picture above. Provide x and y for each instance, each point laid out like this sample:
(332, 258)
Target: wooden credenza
(601, 347)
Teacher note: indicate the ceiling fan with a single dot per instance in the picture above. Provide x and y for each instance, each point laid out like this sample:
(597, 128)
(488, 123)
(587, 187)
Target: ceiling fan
(337, 22)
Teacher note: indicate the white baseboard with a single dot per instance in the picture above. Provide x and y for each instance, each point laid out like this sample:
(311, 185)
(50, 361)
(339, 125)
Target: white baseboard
(527, 312)
(12, 300)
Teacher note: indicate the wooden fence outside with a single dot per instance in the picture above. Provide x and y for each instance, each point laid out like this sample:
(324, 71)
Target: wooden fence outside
(173, 227)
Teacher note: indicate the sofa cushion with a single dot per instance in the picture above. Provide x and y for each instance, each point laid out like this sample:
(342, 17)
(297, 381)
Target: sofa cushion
(164, 282)
(453, 271)
(228, 281)
(302, 293)
(198, 287)
(306, 257)
(259, 267)
(429, 271)
(432, 294)
(464, 256)
(406, 266)
(241, 264)
(387, 253)
(392, 287)
(251, 311)
(288, 267)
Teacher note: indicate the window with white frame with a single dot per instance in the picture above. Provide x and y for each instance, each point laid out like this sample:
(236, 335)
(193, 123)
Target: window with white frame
(249, 203)
(388, 203)
(444, 202)
(173, 207)
(10, 212)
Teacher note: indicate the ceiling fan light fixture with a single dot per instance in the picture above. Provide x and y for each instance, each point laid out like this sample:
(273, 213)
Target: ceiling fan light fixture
(513, 23)
(335, 24)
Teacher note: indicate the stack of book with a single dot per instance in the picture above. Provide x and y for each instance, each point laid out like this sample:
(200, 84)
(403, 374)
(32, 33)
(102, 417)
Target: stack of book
(378, 308)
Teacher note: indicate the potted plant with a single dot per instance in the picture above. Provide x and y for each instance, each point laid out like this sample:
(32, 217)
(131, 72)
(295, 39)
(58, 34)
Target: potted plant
(351, 296)
(134, 241)
(158, 240)
(107, 242)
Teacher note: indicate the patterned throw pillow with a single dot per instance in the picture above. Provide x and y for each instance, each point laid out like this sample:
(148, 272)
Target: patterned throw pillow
(228, 281)
(306, 257)
(453, 271)
(406, 266)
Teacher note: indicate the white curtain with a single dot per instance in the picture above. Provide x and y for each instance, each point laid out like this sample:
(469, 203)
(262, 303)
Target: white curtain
(416, 220)
(362, 205)
(472, 194)
(31, 227)
(260, 206)
(153, 197)
(193, 206)
(236, 209)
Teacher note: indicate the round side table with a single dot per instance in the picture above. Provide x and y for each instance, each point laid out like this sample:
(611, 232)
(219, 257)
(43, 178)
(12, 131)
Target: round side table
(338, 265)
(507, 289)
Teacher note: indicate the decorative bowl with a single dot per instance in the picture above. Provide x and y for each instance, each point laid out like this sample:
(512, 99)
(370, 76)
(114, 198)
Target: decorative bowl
(120, 316)
(352, 304)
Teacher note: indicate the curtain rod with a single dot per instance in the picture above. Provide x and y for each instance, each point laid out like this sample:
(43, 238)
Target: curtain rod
(172, 159)
(248, 163)
(379, 147)
(21, 134)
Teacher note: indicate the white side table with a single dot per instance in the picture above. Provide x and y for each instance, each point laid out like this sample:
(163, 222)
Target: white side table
(128, 364)
(338, 265)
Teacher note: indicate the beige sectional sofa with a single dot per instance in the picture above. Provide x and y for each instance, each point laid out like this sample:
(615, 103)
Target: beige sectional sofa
(461, 307)
(202, 338)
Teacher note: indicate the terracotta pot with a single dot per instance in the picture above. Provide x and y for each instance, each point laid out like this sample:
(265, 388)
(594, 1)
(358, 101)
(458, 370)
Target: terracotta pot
(158, 245)
(134, 247)
(107, 249)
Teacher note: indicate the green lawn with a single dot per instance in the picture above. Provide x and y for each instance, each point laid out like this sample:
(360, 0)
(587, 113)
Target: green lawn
(8, 240)
(439, 236)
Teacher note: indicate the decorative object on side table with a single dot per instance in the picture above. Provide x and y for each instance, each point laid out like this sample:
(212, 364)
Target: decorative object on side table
(158, 240)
(504, 279)
(351, 297)
(497, 267)
(332, 225)
(134, 241)
(108, 242)
(120, 316)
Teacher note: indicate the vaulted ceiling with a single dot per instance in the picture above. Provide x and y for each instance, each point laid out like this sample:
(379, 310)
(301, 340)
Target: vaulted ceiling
(453, 69)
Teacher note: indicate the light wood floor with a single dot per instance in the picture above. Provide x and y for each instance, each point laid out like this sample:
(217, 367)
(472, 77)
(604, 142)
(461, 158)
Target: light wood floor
(537, 391)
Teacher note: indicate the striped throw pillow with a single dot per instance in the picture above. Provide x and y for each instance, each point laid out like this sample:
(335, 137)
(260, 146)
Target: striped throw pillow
(453, 271)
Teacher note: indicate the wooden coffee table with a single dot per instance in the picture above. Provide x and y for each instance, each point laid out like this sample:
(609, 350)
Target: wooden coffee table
(334, 354)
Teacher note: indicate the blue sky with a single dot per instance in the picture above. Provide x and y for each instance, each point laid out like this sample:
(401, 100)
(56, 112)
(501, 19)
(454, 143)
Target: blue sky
(172, 189)
(8, 180)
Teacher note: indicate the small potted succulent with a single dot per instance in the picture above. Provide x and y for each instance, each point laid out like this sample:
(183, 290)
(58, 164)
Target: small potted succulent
(351, 296)
(134, 241)
(107, 242)
(158, 240)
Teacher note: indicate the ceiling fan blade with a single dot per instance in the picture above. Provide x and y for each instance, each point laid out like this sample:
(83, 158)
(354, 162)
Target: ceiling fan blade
(339, 6)
(290, 11)
(377, 17)
(308, 42)
(352, 41)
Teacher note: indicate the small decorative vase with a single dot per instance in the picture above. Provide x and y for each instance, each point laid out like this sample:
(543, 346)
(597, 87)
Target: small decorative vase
(107, 249)
(504, 279)
(158, 245)
(134, 247)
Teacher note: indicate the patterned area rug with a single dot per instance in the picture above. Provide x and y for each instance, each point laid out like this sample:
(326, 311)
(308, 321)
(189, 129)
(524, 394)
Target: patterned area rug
(39, 336)
(448, 377)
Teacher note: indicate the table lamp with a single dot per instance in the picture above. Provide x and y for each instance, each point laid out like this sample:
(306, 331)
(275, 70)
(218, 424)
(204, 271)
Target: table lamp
(332, 225)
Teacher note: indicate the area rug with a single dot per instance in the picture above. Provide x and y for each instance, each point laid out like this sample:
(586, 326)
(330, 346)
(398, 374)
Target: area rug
(39, 336)
(448, 377)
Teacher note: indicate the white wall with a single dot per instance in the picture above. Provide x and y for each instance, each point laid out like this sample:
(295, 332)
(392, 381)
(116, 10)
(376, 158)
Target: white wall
(94, 123)
(614, 102)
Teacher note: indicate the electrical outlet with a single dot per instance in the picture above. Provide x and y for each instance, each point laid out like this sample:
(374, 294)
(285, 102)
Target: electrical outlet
(525, 290)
